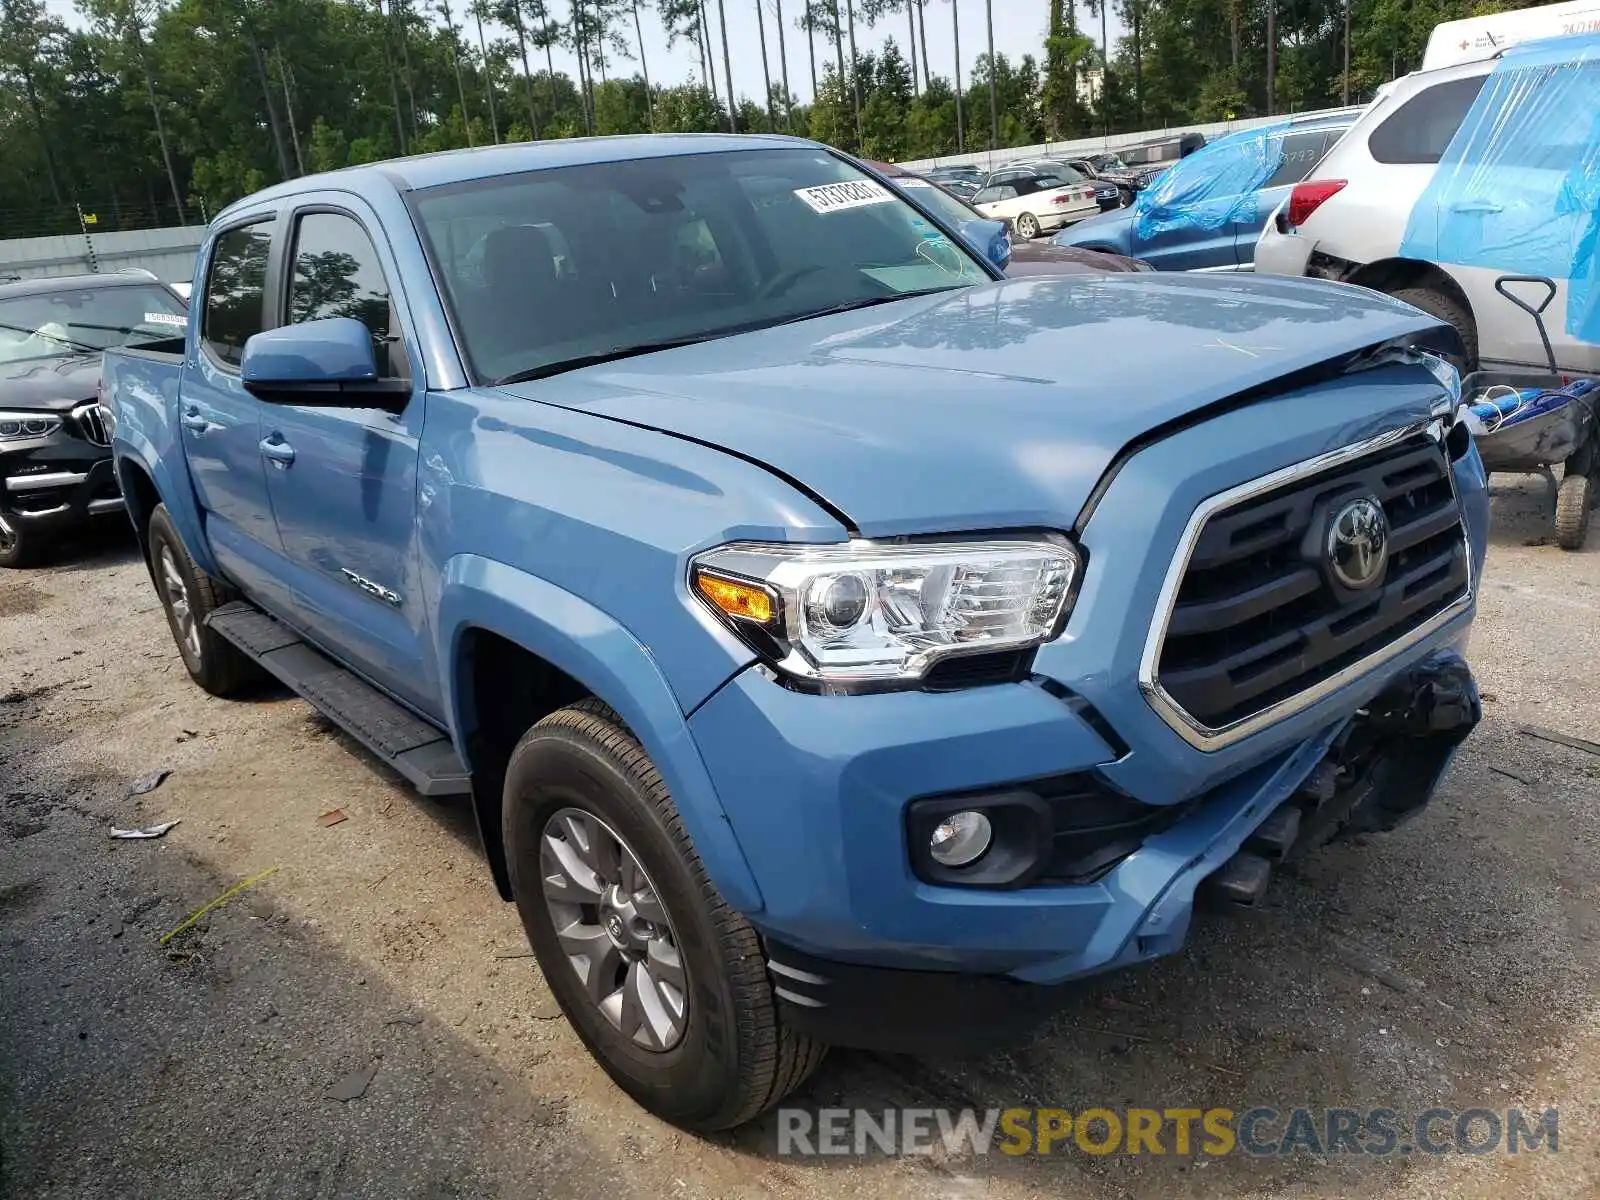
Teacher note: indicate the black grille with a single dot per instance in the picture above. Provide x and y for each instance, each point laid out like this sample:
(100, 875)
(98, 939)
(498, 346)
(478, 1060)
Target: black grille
(91, 422)
(1258, 617)
(1094, 827)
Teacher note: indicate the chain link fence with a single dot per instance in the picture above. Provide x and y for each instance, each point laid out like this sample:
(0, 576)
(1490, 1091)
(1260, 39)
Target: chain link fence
(95, 215)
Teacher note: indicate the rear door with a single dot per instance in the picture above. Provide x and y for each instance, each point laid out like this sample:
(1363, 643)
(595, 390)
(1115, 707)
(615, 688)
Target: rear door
(220, 420)
(343, 481)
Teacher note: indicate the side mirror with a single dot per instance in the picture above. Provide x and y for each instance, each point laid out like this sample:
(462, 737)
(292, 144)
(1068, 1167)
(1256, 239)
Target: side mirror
(990, 239)
(327, 363)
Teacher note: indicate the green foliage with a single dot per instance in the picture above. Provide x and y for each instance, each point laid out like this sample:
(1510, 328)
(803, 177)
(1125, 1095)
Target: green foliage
(145, 110)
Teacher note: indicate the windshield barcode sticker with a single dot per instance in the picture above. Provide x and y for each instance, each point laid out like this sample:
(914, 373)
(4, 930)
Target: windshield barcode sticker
(836, 197)
(165, 319)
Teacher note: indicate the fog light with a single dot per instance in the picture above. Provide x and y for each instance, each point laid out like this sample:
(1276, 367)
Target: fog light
(960, 838)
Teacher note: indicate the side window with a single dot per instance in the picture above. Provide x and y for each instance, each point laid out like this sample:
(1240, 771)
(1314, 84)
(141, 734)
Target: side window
(235, 293)
(1420, 129)
(1301, 152)
(986, 195)
(1026, 186)
(336, 273)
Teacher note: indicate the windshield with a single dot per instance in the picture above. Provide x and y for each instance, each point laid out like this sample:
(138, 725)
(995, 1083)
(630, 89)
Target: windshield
(87, 321)
(1108, 162)
(942, 203)
(551, 269)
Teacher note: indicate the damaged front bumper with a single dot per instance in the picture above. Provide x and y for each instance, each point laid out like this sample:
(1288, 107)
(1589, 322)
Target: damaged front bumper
(1370, 773)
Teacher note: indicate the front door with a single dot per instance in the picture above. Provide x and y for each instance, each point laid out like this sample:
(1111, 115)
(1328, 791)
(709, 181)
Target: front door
(343, 481)
(219, 419)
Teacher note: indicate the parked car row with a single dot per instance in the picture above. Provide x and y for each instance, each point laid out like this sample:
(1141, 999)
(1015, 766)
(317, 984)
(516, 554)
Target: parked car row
(1206, 211)
(988, 234)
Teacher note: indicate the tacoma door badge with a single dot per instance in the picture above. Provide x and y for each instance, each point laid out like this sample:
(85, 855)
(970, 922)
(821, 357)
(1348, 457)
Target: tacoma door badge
(372, 589)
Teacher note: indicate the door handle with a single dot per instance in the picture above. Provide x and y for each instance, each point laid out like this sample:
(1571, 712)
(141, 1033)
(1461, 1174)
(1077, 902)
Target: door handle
(1488, 207)
(192, 420)
(278, 452)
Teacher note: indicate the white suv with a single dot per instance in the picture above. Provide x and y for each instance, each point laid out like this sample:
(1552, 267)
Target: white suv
(1348, 221)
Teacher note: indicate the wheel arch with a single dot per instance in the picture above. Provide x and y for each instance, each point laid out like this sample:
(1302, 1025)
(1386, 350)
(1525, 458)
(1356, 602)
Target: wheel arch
(516, 648)
(1387, 274)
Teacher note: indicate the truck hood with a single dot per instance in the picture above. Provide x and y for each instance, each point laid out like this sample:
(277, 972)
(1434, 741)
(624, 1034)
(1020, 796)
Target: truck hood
(988, 407)
(49, 384)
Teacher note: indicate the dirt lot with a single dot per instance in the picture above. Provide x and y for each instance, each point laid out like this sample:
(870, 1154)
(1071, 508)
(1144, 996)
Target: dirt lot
(1453, 963)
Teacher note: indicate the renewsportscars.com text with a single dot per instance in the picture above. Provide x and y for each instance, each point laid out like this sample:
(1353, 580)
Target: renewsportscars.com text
(1256, 1131)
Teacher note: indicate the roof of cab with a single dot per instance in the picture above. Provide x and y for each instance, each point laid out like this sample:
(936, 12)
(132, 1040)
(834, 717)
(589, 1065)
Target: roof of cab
(483, 162)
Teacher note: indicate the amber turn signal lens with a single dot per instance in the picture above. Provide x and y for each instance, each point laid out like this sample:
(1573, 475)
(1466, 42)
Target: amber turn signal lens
(747, 601)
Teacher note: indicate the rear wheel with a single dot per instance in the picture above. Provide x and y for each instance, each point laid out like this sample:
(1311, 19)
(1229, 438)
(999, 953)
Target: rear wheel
(1574, 503)
(189, 595)
(18, 549)
(1441, 304)
(1027, 227)
(665, 984)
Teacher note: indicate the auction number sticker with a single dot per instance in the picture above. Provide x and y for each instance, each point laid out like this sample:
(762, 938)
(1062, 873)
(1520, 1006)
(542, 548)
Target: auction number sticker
(165, 319)
(836, 197)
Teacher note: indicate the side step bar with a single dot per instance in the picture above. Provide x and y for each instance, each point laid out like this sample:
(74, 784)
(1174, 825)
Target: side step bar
(410, 745)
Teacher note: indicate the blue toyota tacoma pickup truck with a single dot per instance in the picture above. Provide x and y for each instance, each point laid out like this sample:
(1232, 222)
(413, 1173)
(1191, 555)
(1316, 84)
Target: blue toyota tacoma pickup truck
(827, 656)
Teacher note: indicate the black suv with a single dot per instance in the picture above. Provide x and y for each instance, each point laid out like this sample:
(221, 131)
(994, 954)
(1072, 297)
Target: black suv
(55, 452)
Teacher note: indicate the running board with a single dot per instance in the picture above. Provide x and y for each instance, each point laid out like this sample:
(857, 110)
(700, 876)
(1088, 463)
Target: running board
(410, 745)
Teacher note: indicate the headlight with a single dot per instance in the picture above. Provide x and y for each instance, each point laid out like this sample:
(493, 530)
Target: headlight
(868, 613)
(1449, 378)
(18, 426)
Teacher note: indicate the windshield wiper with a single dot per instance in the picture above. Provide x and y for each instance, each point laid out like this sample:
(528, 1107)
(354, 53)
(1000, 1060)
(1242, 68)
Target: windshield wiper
(79, 347)
(602, 356)
(621, 352)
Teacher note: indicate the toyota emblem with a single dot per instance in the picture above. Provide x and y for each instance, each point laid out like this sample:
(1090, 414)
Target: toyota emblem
(1358, 544)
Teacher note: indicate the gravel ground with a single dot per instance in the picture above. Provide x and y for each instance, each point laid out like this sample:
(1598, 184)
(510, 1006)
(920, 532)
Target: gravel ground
(1452, 963)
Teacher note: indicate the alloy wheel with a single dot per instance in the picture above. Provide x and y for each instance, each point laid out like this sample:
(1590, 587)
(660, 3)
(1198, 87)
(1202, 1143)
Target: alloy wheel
(613, 929)
(176, 593)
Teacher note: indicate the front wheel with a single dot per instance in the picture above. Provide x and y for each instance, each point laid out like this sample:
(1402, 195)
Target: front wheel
(18, 548)
(665, 984)
(1027, 227)
(189, 595)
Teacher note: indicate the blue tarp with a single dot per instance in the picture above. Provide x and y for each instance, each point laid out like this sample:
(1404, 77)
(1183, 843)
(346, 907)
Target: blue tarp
(1214, 185)
(1518, 188)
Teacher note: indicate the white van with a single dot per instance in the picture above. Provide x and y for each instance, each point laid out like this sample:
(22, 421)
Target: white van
(1350, 220)
(1474, 39)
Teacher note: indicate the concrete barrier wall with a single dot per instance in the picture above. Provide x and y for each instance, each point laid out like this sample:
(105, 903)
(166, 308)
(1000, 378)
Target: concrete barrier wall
(988, 160)
(167, 252)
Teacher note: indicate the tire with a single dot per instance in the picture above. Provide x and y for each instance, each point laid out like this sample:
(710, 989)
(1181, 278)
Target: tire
(213, 662)
(1027, 227)
(732, 1057)
(18, 549)
(1124, 197)
(1446, 307)
(1574, 501)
